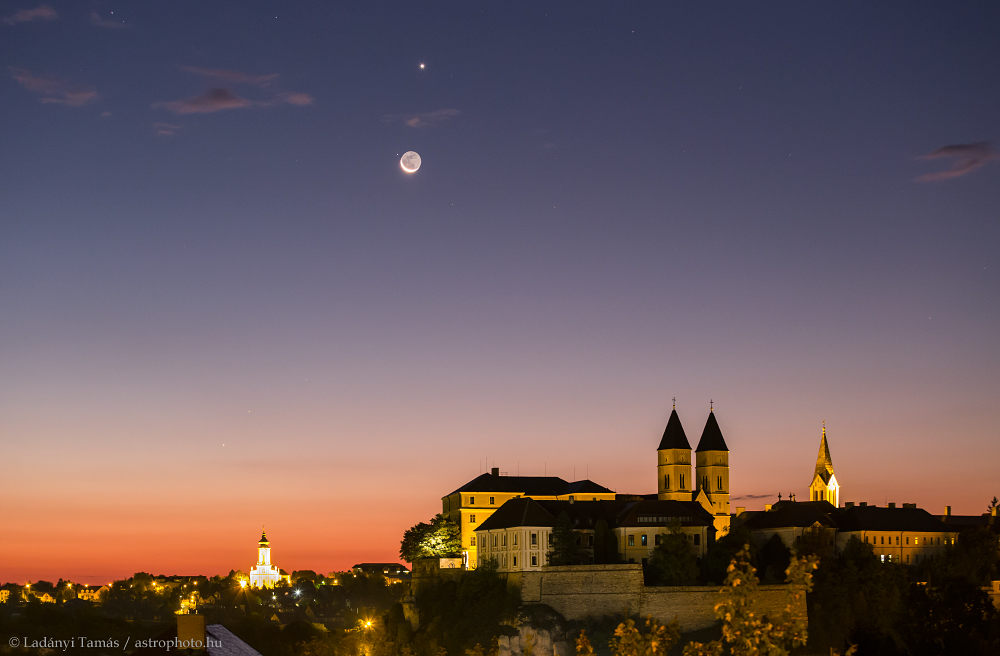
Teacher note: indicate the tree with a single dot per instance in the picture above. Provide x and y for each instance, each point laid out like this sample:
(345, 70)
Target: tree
(563, 549)
(605, 544)
(442, 538)
(773, 559)
(715, 563)
(953, 618)
(672, 562)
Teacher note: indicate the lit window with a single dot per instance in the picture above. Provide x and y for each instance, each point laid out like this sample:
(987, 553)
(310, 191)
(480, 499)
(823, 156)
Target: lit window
(643, 536)
(631, 540)
(472, 541)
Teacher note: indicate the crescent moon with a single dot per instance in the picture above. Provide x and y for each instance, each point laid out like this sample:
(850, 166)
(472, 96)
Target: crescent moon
(410, 161)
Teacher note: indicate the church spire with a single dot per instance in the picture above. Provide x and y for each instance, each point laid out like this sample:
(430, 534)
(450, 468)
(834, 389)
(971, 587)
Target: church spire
(824, 463)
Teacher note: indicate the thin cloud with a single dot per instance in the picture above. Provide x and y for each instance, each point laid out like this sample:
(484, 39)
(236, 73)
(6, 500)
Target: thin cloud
(215, 100)
(753, 496)
(296, 98)
(968, 158)
(166, 129)
(41, 12)
(232, 77)
(423, 120)
(96, 20)
(53, 89)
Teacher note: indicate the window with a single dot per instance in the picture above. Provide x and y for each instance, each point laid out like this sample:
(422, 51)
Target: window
(897, 540)
(590, 540)
(643, 537)
(720, 483)
(534, 561)
(472, 501)
(472, 519)
(656, 540)
(472, 541)
(492, 502)
(697, 539)
(907, 539)
(515, 539)
(666, 482)
(682, 481)
(503, 539)
(631, 540)
(514, 561)
(534, 539)
(907, 559)
(494, 540)
(883, 539)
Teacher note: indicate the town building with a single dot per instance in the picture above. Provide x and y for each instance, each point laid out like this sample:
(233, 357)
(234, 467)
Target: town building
(264, 574)
(92, 593)
(518, 536)
(473, 503)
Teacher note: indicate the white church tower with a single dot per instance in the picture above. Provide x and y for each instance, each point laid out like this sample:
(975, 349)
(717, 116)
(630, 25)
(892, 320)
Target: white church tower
(264, 574)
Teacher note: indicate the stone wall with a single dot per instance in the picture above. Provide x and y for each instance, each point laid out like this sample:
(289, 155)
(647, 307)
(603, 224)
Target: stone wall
(584, 591)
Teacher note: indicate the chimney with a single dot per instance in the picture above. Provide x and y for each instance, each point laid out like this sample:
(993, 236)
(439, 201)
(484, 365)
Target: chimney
(848, 504)
(495, 471)
(740, 510)
(191, 631)
(890, 505)
(909, 505)
(947, 511)
(863, 504)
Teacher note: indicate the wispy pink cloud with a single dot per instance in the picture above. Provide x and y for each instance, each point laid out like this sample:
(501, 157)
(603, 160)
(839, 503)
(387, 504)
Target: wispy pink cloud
(96, 20)
(166, 129)
(53, 89)
(968, 158)
(423, 120)
(232, 77)
(41, 12)
(296, 98)
(215, 100)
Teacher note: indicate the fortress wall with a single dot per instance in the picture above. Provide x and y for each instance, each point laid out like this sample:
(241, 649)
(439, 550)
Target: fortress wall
(601, 590)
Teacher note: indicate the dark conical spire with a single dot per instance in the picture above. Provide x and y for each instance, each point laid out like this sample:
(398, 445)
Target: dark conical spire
(673, 434)
(711, 437)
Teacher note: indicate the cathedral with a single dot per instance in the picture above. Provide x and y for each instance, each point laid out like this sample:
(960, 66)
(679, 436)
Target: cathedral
(710, 486)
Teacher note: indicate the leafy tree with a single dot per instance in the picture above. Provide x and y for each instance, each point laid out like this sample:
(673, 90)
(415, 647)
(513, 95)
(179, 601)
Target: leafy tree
(672, 562)
(442, 538)
(714, 565)
(605, 544)
(973, 558)
(773, 559)
(815, 541)
(563, 549)
(953, 618)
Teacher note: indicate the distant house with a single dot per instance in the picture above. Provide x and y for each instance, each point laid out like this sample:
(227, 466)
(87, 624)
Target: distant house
(90, 593)
(4, 596)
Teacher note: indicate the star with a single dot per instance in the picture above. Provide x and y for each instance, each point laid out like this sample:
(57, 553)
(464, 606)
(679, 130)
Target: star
(422, 66)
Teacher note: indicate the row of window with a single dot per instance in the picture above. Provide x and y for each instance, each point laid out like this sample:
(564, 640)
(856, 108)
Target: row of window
(644, 540)
(928, 541)
(502, 561)
(500, 540)
(655, 519)
(666, 482)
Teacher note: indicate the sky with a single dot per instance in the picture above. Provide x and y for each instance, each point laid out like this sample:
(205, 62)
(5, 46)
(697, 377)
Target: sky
(223, 304)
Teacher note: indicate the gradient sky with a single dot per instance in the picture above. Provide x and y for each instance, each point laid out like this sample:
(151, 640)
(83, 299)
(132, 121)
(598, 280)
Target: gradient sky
(223, 304)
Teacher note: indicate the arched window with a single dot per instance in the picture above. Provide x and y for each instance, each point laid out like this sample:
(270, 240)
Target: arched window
(720, 484)
(666, 484)
(682, 481)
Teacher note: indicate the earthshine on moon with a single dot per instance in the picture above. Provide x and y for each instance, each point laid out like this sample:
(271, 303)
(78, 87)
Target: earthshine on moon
(410, 161)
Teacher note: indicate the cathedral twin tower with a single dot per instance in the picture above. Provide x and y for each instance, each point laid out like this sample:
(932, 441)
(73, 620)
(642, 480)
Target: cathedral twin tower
(710, 487)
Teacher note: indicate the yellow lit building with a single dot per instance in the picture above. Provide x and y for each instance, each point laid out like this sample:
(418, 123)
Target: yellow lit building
(473, 503)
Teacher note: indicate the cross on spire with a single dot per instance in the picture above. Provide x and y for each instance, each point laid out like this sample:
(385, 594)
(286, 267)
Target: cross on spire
(675, 402)
(711, 405)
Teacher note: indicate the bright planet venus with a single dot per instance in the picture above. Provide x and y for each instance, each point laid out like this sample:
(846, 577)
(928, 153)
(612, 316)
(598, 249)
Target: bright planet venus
(410, 161)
